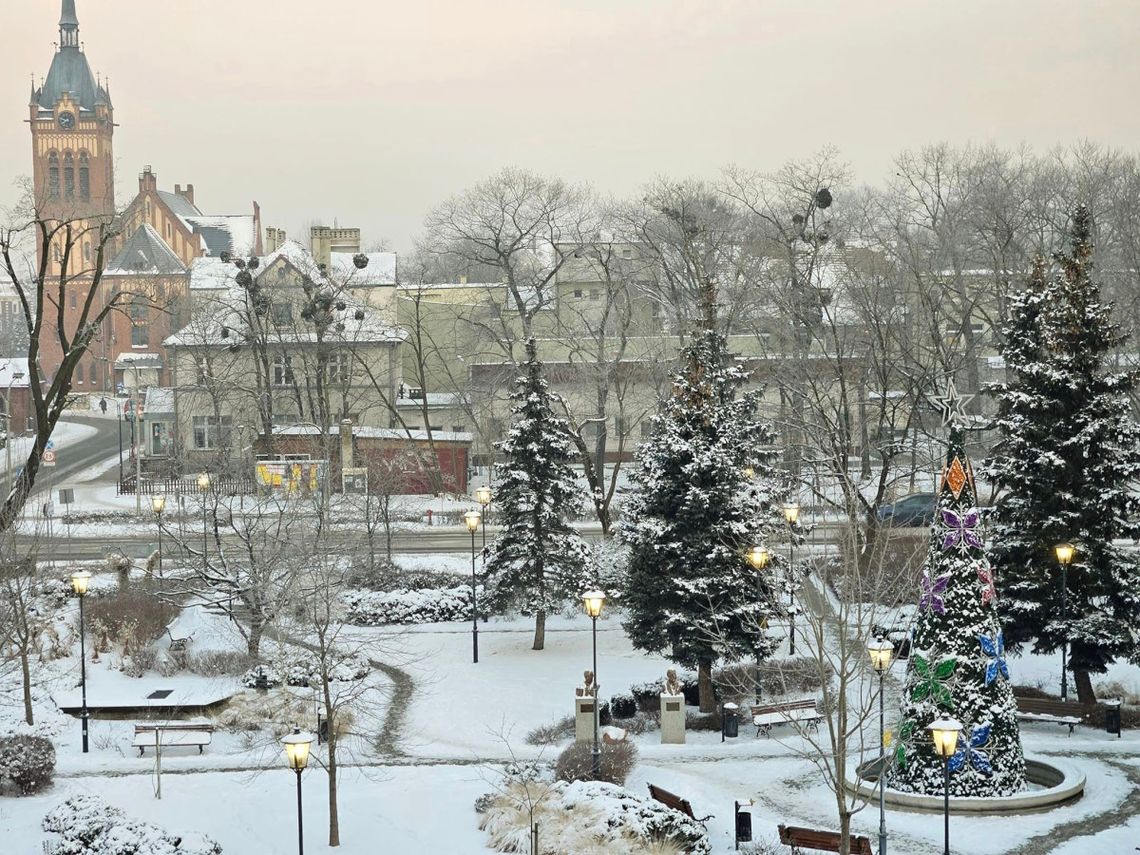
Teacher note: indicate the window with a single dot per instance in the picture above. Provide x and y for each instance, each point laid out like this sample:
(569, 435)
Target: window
(282, 370)
(282, 313)
(337, 369)
(285, 419)
(459, 428)
(86, 251)
(68, 176)
(84, 177)
(212, 432)
(621, 425)
(646, 428)
(202, 371)
(627, 253)
(53, 176)
(79, 375)
(140, 316)
(577, 292)
(92, 373)
(595, 293)
(74, 299)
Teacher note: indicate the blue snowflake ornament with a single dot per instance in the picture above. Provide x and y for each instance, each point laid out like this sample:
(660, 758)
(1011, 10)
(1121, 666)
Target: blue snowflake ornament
(970, 751)
(994, 648)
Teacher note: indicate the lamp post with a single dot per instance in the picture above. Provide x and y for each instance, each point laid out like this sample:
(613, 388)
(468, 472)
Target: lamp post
(204, 487)
(791, 514)
(79, 581)
(16, 375)
(483, 497)
(158, 503)
(759, 557)
(297, 754)
(473, 518)
(944, 732)
(593, 601)
(1065, 553)
(881, 651)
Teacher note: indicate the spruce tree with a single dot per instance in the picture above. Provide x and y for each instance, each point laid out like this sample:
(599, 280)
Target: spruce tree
(539, 562)
(957, 667)
(1066, 463)
(691, 593)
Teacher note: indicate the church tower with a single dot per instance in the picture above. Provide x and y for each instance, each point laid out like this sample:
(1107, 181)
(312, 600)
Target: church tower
(72, 124)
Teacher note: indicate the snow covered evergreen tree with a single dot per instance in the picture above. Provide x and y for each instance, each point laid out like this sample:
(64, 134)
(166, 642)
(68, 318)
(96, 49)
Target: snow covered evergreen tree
(691, 593)
(957, 665)
(1068, 457)
(538, 562)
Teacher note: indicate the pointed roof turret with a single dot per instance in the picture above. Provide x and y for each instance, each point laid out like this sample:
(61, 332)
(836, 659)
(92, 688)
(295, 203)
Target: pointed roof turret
(69, 69)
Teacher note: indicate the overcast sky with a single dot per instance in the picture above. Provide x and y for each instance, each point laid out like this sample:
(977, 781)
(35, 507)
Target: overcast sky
(371, 111)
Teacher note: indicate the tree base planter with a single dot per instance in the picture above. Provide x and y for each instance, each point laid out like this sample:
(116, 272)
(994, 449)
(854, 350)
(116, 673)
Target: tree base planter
(1056, 782)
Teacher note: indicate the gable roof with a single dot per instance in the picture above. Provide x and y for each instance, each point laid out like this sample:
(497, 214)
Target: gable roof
(145, 253)
(178, 204)
(232, 233)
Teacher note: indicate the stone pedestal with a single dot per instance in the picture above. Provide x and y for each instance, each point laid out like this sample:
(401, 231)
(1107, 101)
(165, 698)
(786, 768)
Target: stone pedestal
(672, 719)
(584, 719)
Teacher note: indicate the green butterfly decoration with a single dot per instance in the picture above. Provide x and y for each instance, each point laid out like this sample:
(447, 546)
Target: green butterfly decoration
(930, 680)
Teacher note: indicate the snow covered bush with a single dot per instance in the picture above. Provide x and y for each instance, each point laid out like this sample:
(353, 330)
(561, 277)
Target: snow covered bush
(87, 825)
(427, 605)
(301, 668)
(577, 761)
(588, 818)
(28, 762)
(133, 618)
(623, 705)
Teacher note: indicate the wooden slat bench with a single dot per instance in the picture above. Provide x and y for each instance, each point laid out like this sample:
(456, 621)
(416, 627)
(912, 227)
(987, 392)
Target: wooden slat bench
(179, 735)
(1052, 711)
(676, 802)
(821, 841)
(786, 712)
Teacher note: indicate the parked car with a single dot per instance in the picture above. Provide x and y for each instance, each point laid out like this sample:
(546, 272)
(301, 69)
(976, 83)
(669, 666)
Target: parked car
(915, 510)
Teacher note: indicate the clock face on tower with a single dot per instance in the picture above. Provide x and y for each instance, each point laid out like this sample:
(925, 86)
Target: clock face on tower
(66, 121)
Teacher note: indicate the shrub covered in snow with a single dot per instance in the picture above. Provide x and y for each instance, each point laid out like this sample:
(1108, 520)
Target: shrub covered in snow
(301, 668)
(424, 605)
(576, 762)
(27, 761)
(87, 825)
(586, 817)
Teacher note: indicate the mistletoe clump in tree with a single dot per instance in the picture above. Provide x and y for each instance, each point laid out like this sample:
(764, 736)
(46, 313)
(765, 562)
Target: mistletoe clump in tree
(691, 593)
(1067, 460)
(957, 666)
(538, 562)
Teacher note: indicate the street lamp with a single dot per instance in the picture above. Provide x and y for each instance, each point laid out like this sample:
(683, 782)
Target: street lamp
(593, 601)
(473, 518)
(749, 472)
(483, 497)
(79, 582)
(944, 732)
(297, 754)
(16, 375)
(791, 514)
(881, 651)
(204, 487)
(759, 557)
(158, 503)
(1065, 553)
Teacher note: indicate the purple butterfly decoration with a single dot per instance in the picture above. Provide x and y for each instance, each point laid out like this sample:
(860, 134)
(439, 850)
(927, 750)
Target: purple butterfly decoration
(932, 592)
(961, 530)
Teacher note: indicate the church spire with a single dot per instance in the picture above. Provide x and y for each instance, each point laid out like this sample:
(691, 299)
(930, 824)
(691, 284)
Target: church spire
(68, 26)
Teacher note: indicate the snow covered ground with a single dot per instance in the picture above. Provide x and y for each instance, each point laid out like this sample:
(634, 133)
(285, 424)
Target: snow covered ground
(463, 720)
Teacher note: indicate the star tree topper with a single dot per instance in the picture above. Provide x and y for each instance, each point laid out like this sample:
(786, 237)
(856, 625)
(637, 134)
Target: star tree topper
(952, 406)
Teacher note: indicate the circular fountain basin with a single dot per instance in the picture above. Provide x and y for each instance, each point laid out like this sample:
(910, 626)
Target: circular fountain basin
(1052, 783)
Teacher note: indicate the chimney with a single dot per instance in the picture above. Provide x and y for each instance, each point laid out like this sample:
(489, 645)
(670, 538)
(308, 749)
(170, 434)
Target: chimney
(346, 445)
(189, 194)
(147, 180)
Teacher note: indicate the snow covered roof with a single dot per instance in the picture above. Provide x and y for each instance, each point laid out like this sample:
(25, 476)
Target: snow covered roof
(211, 274)
(223, 321)
(138, 359)
(363, 431)
(145, 253)
(14, 373)
(232, 233)
(434, 399)
(434, 286)
(381, 269)
(159, 400)
(178, 204)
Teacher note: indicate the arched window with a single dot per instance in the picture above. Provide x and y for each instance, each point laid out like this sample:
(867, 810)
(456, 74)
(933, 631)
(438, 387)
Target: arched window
(68, 176)
(53, 175)
(84, 177)
(86, 251)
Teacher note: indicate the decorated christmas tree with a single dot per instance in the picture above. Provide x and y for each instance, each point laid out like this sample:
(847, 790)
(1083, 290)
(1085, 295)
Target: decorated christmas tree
(957, 666)
(539, 561)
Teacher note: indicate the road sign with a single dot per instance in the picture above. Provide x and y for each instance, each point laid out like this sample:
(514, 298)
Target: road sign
(67, 496)
(49, 457)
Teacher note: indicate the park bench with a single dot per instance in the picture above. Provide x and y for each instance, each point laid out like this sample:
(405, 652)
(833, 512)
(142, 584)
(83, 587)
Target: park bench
(764, 716)
(676, 802)
(821, 841)
(198, 734)
(1052, 711)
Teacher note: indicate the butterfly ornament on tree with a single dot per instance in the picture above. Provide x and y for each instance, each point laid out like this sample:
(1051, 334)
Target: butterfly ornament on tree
(994, 649)
(961, 529)
(970, 751)
(986, 577)
(932, 592)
